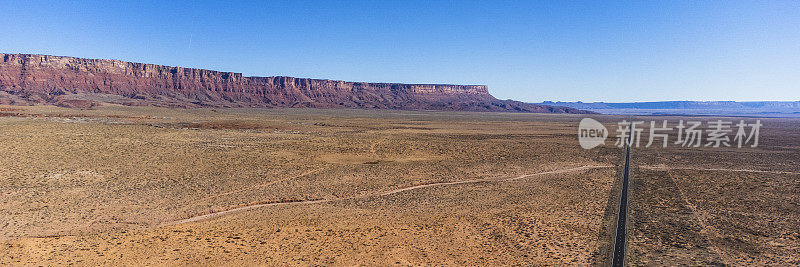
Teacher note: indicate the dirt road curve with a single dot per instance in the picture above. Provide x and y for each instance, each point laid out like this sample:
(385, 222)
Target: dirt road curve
(249, 207)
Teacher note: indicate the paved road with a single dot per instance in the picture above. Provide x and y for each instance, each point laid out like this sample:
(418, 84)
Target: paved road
(618, 259)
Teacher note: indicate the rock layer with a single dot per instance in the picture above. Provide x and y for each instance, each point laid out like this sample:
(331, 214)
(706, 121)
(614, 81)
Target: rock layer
(32, 79)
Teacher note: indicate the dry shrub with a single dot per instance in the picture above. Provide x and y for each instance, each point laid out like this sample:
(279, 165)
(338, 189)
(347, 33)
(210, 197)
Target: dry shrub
(235, 125)
(76, 103)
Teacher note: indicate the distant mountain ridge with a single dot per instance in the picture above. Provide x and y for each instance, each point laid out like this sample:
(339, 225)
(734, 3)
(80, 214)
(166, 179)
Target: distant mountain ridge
(732, 108)
(78, 82)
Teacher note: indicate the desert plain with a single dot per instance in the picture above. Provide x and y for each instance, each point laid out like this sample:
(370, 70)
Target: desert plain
(120, 185)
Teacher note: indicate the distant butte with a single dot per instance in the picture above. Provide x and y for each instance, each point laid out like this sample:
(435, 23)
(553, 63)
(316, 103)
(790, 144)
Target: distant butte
(27, 79)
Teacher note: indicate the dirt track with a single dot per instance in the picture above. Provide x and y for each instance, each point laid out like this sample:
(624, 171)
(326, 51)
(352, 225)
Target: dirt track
(354, 187)
(250, 207)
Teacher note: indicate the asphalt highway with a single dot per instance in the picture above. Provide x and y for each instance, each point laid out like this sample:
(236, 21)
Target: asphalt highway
(618, 258)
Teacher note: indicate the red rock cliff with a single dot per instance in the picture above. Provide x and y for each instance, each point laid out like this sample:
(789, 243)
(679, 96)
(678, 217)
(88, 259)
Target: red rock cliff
(26, 79)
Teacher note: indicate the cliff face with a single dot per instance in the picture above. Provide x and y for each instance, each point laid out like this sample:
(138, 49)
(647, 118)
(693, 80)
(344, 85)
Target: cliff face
(27, 79)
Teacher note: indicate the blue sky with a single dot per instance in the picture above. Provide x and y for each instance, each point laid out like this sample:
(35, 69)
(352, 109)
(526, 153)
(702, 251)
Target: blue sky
(524, 50)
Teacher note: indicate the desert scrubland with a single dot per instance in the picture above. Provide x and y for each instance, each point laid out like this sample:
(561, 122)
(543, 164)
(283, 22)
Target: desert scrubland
(154, 186)
(732, 206)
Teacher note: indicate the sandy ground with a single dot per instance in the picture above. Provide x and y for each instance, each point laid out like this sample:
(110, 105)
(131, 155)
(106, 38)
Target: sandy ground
(150, 186)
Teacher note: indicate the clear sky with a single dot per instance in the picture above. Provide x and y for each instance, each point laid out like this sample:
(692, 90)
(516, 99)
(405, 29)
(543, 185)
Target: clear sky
(524, 50)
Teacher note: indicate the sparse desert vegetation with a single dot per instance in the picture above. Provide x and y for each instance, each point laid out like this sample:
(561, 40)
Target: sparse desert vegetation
(153, 186)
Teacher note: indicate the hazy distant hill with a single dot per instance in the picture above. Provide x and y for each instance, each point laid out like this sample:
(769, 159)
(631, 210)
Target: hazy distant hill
(728, 108)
